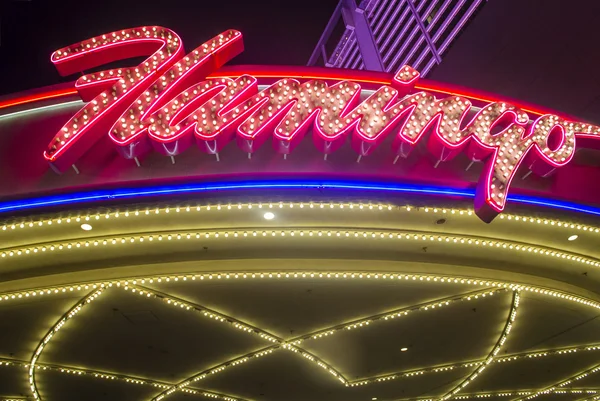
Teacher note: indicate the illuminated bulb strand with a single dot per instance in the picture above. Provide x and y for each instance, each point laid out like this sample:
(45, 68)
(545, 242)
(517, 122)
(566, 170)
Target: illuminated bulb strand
(304, 274)
(327, 275)
(544, 353)
(323, 206)
(397, 313)
(488, 395)
(429, 237)
(510, 321)
(206, 312)
(560, 385)
(477, 395)
(458, 365)
(521, 393)
(313, 358)
(180, 303)
(46, 340)
(113, 376)
(414, 372)
(216, 369)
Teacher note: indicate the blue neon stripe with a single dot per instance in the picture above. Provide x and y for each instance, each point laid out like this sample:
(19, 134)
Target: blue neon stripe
(124, 193)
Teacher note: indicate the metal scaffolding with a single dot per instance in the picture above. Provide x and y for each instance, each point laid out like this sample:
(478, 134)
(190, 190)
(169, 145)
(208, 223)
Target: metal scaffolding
(383, 35)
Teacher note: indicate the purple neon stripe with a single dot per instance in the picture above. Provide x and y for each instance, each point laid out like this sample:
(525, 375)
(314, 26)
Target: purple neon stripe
(395, 5)
(377, 11)
(347, 49)
(459, 26)
(334, 59)
(410, 38)
(421, 39)
(353, 50)
(453, 34)
(379, 36)
(401, 35)
(443, 27)
(404, 46)
(400, 38)
(424, 54)
(428, 67)
(395, 28)
(348, 55)
(457, 7)
(385, 6)
(356, 60)
(370, 8)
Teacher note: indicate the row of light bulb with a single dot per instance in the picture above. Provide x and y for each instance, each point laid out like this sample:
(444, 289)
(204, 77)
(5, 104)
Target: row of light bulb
(492, 355)
(560, 385)
(89, 299)
(460, 240)
(277, 275)
(150, 211)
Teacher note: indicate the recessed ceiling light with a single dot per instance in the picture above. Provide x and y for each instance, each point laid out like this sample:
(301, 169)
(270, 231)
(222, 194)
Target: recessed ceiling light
(86, 227)
(404, 349)
(573, 237)
(269, 216)
(374, 398)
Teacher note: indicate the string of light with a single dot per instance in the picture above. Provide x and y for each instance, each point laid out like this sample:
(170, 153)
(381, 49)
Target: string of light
(306, 233)
(505, 332)
(105, 213)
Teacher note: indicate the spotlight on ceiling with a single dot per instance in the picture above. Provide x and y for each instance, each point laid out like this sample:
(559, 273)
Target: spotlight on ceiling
(86, 227)
(269, 216)
(404, 349)
(573, 237)
(374, 398)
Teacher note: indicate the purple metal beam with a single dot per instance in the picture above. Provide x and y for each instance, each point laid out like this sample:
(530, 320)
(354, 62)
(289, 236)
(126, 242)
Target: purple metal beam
(400, 36)
(425, 34)
(407, 42)
(454, 32)
(388, 38)
(395, 5)
(325, 35)
(354, 16)
(433, 23)
(351, 52)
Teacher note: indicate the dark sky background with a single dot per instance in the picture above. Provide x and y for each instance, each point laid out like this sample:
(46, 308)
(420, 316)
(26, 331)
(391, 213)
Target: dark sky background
(546, 52)
(275, 32)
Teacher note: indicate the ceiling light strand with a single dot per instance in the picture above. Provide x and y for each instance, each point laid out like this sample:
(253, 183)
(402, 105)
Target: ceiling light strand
(490, 358)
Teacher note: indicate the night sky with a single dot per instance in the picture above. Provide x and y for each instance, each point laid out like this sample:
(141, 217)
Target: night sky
(275, 32)
(546, 52)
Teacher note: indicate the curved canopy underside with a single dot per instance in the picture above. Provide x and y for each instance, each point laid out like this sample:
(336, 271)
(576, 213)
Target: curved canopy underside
(338, 300)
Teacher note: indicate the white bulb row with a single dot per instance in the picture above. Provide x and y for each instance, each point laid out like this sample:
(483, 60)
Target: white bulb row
(458, 365)
(38, 352)
(214, 370)
(488, 395)
(493, 353)
(152, 211)
(73, 312)
(382, 317)
(211, 314)
(181, 304)
(563, 383)
(458, 240)
(314, 359)
(278, 275)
